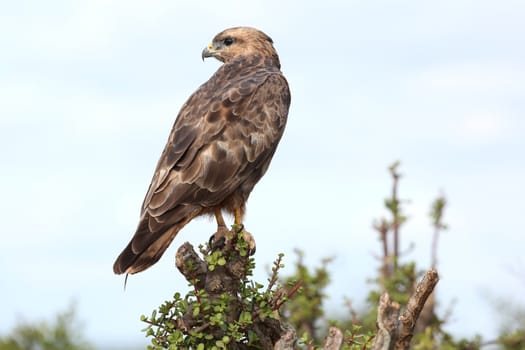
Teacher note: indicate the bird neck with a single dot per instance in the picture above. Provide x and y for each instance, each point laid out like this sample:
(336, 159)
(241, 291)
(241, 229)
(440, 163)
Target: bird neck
(253, 60)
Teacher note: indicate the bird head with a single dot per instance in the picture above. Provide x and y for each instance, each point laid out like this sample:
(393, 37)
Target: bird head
(239, 41)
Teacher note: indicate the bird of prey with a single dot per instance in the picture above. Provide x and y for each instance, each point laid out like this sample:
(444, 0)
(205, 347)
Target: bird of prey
(220, 146)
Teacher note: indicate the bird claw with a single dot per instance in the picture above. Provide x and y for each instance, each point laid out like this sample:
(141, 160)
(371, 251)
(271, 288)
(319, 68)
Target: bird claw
(223, 236)
(219, 238)
(248, 238)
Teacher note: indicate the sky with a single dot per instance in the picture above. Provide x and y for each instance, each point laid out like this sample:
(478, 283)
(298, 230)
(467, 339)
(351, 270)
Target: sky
(89, 91)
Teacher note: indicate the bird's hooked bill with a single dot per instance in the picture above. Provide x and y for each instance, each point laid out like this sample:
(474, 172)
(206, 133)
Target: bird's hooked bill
(208, 51)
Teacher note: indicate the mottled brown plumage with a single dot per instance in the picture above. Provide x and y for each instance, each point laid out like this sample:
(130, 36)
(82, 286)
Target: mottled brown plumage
(220, 146)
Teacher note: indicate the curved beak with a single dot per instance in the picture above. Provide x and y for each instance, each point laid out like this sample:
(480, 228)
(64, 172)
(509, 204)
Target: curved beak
(208, 51)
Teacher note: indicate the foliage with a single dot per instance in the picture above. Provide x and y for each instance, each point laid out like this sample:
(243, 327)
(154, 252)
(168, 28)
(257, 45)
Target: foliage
(512, 332)
(237, 319)
(306, 308)
(304, 311)
(62, 334)
(353, 339)
(398, 278)
(218, 321)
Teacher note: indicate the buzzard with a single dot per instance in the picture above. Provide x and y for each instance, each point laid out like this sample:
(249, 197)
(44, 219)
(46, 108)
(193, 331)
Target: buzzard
(220, 146)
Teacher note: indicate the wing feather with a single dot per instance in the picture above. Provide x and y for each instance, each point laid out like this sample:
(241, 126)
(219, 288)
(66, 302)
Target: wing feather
(207, 145)
(222, 142)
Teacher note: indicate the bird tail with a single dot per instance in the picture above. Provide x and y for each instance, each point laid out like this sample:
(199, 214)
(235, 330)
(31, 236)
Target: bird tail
(144, 250)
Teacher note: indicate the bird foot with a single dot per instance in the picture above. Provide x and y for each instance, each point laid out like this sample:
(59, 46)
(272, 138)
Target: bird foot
(223, 237)
(219, 238)
(248, 238)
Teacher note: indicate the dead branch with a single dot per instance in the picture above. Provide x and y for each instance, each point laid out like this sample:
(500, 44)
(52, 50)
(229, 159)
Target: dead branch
(333, 340)
(387, 323)
(191, 265)
(414, 306)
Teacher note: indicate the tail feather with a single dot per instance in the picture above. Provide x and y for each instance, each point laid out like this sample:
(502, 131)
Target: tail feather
(151, 240)
(131, 261)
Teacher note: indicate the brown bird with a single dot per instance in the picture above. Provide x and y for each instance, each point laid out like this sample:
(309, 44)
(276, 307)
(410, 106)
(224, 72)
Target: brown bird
(220, 146)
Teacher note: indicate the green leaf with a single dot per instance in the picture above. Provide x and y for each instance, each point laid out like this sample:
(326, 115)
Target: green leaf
(196, 311)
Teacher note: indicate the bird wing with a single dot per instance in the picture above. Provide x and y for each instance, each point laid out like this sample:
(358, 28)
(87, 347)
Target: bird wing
(222, 141)
(222, 136)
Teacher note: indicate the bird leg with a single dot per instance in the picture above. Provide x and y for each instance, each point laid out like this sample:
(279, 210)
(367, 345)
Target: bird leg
(223, 235)
(247, 236)
(237, 214)
(219, 238)
(219, 218)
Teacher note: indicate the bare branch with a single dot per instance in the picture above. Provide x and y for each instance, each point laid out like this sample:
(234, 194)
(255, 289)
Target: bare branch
(413, 309)
(387, 323)
(191, 265)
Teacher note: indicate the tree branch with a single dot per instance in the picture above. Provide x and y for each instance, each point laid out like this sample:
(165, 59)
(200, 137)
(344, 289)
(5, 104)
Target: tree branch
(413, 309)
(287, 340)
(387, 323)
(333, 340)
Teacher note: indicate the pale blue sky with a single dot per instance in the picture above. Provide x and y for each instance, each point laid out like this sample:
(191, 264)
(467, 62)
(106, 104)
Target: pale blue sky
(89, 91)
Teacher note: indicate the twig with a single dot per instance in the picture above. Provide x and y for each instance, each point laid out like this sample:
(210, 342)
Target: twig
(396, 222)
(279, 302)
(352, 311)
(436, 213)
(382, 227)
(275, 276)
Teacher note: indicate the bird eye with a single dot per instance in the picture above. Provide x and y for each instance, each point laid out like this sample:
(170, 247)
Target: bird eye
(228, 41)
